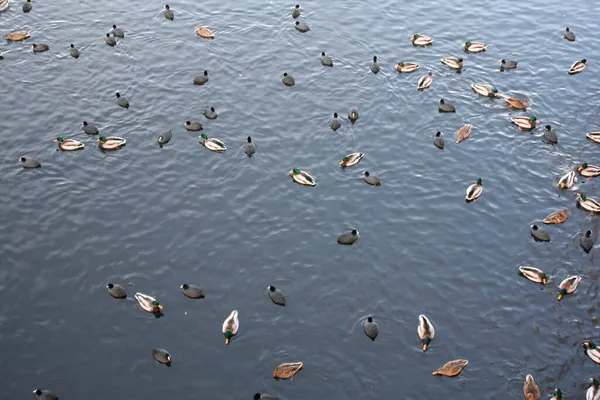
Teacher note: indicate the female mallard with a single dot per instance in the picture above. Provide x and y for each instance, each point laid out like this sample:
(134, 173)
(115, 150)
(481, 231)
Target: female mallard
(335, 123)
(568, 286)
(17, 36)
(507, 64)
(287, 370)
(474, 191)
(231, 326)
(592, 351)
(567, 180)
(570, 36)
(463, 133)
(557, 217)
(212, 144)
(577, 67)
(594, 136)
(593, 393)
(353, 115)
(587, 203)
(425, 330)
(371, 328)
(525, 123)
(302, 177)
(371, 179)
(588, 170)
(474, 47)
(454, 63)
(485, 90)
(351, 160)
(587, 241)
(533, 274)
(69, 144)
(515, 103)
(451, 368)
(204, 32)
(162, 356)
(425, 82)
(420, 40)
(407, 67)
(111, 142)
(539, 234)
(148, 303)
(531, 389)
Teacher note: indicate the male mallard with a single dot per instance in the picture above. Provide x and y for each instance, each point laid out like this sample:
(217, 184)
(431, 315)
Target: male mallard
(538, 234)
(204, 32)
(594, 136)
(162, 356)
(570, 36)
(588, 170)
(420, 40)
(533, 274)
(407, 67)
(276, 295)
(451, 368)
(351, 160)
(593, 393)
(567, 180)
(587, 241)
(212, 144)
(326, 60)
(530, 389)
(425, 330)
(474, 191)
(474, 47)
(375, 68)
(557, 217)
(518, 104)
(353, 114)
(438, 141)
(69, 144)
(148, 303)
(577, 67)
(463, 133)
(425, 82)
(302, 177)
(454, 63)
(335, 123)
(287, 370)
(507, 64)
(485, 90)
(525, 123)
(371, 328)
(231, 326)
(371, 179)
(592, 351)
(587, 203)
(568, 286)
(111, 142)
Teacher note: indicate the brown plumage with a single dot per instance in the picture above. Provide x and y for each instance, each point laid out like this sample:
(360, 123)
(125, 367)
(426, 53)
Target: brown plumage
(531, 389)
(451, 368)
(287, 370)
(557, 217)
(463, 133)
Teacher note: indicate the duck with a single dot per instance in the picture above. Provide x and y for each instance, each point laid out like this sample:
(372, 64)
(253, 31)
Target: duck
(474, 191)
(507, 64)
(451, 368)
(577, 67)
(29, 162)
(454, 63)
(264, 396)
(570, 36)
(193, 126)
(276, 295)
(111, 142)
(353, 115)
(463, 133)
(162, 356)
(74, 51)
(164, 138)
(594, 136)
(407, 67)
(17, 36)
(567, 180)
(249, 147)
(592, 351)
(516, 103)
(44, 395)
(556, 217)
(593, 393)
(549, 135)
(326, 60)
(371, 179)
(69, 144)
(587, 241)
(39, 47)
(148, 303)
(525, 123)
(587, 203)
(530, 389)
(117, 32)
(27, 6)
(302, 177)
(351, 159)
(231, 325)
(212, 144)
(533, 274)
(348, 238)
(474, 47)
(485, 90)
(538, 234)
(438, 141)
(295, 14)
(302, 26)
(425, 82)
(568, 286)
(201, 79)
(420, 40)
(444, 107)
(192, 291)
(168, 13)
(204, 32)
(210, 113)
(588, 170)
(375, 65)
(288, 80)
(426, 331)
(335, 123)
(117, 291)
(110, 40)
(371, 328)
(122, 101)
(287, 370)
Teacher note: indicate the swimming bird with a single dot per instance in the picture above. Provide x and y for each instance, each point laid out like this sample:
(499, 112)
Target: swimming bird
(110, 40)
(210, 113)
(28, 162)
(557, 394)
(27, 6)
(264, 396)
(74, 51)
(334, 123)
(594, 136)
(288, 80)
(193, 126)
(454, 63)
(231, 325)
(276, 296)
(17, 36)
(90, 129)
(446, 107)
(371, 179)
(117, 32)
(587, 241)
(39, 47)
(550, 136)
(348, 238)
(302, 177)
(538, 234)
(296, 11)
(351, 160)
(533, 274)
(484, 90)
(407, 67)
(592, 351)
(508, 64)
(249, 147)
(164, 138)
(162, 356)
(44, 395)
(287, 370)
(204, 32)
(302, 26)
(421, 40)
(567, 180)
(353, 115)
(371, 328)
(577, 67)
(326, 60)
(375, 65)
(474, 47)
(192, 291)
(530, 389)
(451, 368)
(438, 140)
(122, 101)
(201, 79)
(111, 142)
(556, 217)
(148, 303)
(117, 291)
(474, 191)
(425, 82)
(525, 123)
(593, 393)
(168, 13)
(588, 170)
(587, 203)
(213, 144)
(463, 133)
(518, 104)
(69, 144)
(425, 330)
(568, 286)
(570, 36)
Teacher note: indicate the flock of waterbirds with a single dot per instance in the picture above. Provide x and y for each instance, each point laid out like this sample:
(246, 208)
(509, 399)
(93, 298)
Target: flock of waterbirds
(425, 328)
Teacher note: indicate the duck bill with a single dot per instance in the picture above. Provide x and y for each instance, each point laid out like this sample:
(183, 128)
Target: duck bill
(226, 340)
(425, 346)
(544, 281)
(579, 169)
(55, 140)
(560, 297)
(160, 307)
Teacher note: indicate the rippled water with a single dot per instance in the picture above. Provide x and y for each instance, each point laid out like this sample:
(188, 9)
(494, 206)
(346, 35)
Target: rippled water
(152, 218)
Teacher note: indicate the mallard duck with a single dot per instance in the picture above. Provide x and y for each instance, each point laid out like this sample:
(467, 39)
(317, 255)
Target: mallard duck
(287, 370)
(111, 142)
(276, 295)
(557, 217)
(444, 107)
(210, 113)
(594, 136)
(588, 170)
(122, 101)
(264, 396)
(162, 356)
(249, 147)
(533, 274)
(592, 351)
(353, 115)
(168, 13)
(371, 179)
(451, 368)
(288, 80)
(148, 303)
(438, 141)
(164, 138)
(110, 40)
(407, 67)
(587, 203)
(27, 6)
(593, 393)
(425, 82)
(463, 133)
(371, 328)
(587, 241)
(420, 40)
(474, 47)
(44, 395)
(518, 104)
(351, 160)
(39, 47)
(192, 291)
(335, 123)
(302, 177)
(474, 191)
(201, 79)
(525, 123)
(231, 326)
(454, 63)
(425, 330)
(295, 14)
(17, 36)
(90, 129)
(117, 291)
(549, 135)
(204, 32)
(69, 144)
(326, 60)
(74, 51)
(568, 286)
(302, 26)
(485, 90)
(531, 389)
(567, 180)
(538, 234)
(212, 144)
(193, 126)
(117, 32)
(507, 64)
(348, 238)
(29, 162)
(375, 65)
(570, 36)
(577, 67)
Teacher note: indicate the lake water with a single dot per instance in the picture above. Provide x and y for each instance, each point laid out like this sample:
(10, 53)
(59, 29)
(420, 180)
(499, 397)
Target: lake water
(152, 219)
